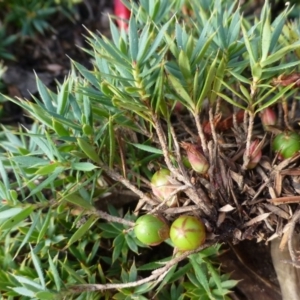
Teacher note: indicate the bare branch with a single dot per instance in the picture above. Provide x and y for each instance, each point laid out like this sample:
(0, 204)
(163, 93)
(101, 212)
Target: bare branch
(157, 275)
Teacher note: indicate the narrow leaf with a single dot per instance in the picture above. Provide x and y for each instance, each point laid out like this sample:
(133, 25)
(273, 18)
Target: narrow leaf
(82, 230)
(16, 219)
(88, 150)
(38, 267)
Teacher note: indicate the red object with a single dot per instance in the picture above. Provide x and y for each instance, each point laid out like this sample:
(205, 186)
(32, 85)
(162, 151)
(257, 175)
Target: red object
(122, 13)
(223, 124)
(285, 80)
(268, 117)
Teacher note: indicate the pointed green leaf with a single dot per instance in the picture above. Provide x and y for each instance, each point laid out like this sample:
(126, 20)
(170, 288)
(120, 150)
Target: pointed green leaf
(133, 39)
(83, 166)
(88, 150)
(16, 219)
(55, 274)
(24, 292)
(45, 95)
(266, 37)
(248, 46)
(82, 230)
(148, 148)
(207, 84)
(279, 54)
(78, 200)
(9, 213)
(38, 267)
(184, 65)
(180, 90)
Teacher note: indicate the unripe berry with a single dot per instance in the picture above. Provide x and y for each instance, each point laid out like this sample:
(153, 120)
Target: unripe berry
(196, 157)
(162, 188)
(187, 233)
(151, 229)
(287, 144)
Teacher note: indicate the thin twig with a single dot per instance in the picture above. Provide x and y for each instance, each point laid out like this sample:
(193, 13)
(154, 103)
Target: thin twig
(174, 193)
(180, 210)
(110, 218)
(116, 176)
(177, 151)
(198, 197)
(248, 142)
(157, 275)
(201, 133)
(184, 126)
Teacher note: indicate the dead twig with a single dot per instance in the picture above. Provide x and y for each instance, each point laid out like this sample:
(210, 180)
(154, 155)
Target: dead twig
(103, 215)
(198, 197)
(157, 275)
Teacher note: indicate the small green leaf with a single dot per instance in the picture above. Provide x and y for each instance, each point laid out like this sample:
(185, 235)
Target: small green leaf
(9, 213)
(180, 91)
(30, 161)
(29, 233)
(217, 84)
(71, 272)
(48, 181)
(279, 54)
(245, 92)
(28, 282)
(87, 129)
(166, 279)
(88, 150)
(118, 244)
(45, 170)
(38, 267)
(45, 295)
(133, 39)
(207, 84)
(266, 37)
(24, 292)
(256, 72)
(79, 201)
(45, 226)
(54, 271)
(276, 98)
(87, 74)
(83, 166)
(82, 230)
(201, 275)
(45, 95)
(184, 65)
(17, 218)
(248, 46)
(59, 128)
(62, 98)
(240, 77)
(148, 148)
(229, 284)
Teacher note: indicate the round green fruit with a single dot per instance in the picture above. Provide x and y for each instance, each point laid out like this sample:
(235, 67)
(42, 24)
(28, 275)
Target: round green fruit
(151, 230)
(162, 188)
(187, 233)
(287, 144)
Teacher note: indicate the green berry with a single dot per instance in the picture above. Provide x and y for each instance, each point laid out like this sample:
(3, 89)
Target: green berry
(187, 233)
(287, 144)
(162, 188)
(151, 230)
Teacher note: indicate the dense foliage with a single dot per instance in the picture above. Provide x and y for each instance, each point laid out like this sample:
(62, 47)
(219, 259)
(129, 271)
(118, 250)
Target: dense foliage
(106, 131)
